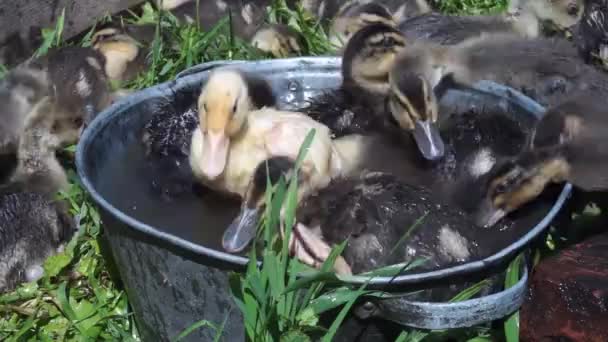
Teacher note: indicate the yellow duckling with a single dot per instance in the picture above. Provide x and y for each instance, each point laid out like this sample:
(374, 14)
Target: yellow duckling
(237, 130)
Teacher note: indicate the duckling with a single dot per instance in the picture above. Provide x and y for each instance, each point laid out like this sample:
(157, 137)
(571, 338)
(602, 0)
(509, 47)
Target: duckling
(592, 33)
(323, 10)
(125, 57)
(224, 152)
(544, 69)
(352, 16)
(279, 40)
(358, 105)
(526, 21)
(77, 81)
(374, 211)
(245, 18)
(20, 90)
(33, 225)
(568, 145)
(403, 10)
(32, 228)
(19, 46)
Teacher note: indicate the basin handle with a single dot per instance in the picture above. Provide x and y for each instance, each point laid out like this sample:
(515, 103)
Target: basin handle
(446, 315)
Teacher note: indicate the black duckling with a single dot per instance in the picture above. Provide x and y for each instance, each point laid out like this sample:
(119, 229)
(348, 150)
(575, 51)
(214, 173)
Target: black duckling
(354, 15)
(358, 106)
(592, 33)
(526, 21)
(278, 40)
(33, 227)
(168, 134)
(544, 69)
(569, 144)
(374, 211)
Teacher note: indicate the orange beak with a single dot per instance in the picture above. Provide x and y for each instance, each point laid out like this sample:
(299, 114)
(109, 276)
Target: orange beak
(215, 153)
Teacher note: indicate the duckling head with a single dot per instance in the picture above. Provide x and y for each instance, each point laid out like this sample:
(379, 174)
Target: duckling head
(243, 228)
(561, 13)
(222, 108)
(279, 40)
(515, 182)
(413, 104)
(118, 48)
(369, 56)
(355, 15)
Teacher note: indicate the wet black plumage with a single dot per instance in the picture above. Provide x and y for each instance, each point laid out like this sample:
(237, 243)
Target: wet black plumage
(32, 228)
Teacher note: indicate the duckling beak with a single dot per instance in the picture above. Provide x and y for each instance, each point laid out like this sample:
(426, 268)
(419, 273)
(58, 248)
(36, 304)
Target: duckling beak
(428, 140)
(488, 215)
(241, 231)
(215, 154)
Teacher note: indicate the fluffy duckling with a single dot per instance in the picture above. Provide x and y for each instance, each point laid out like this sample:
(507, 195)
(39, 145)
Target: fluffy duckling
(354, 15)
(229, 143)
(20, 90)
(358, 105)
(592, 34)
(323, 10)
(33, 225)
(403, 10)
(569, 144)
(19, 46)
(279, 40)
(374, 211)
(125, 56)
(246, 18)
(544, 69)
(77, 81)
(525, 21)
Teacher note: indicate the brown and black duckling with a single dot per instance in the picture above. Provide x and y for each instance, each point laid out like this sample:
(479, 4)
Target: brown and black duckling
(526, 21)
(246, 18)
(358, 106)
(354, 15)
(125, 49)
(569, 144)
(323, 10)
(544, 69)
(278, 40)
(374, 211)
(33, 224)
(592, 33)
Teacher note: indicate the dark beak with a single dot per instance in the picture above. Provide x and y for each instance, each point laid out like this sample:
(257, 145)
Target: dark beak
(428, 140)
(241, 231)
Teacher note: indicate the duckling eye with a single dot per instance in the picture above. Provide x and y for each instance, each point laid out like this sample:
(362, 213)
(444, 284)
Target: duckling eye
(572, 10)
(500, 188)
(77, 122)
(205, 107)
(234, 108)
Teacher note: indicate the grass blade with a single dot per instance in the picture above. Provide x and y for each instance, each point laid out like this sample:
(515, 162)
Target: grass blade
(193, 327)
(511, 325)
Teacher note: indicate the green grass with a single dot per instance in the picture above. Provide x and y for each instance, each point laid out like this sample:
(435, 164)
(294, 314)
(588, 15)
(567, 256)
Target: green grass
(78, 300)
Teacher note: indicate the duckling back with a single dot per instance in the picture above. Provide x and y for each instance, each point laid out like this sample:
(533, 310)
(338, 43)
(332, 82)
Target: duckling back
(32, 228)
(389, 222)
(451, 29)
